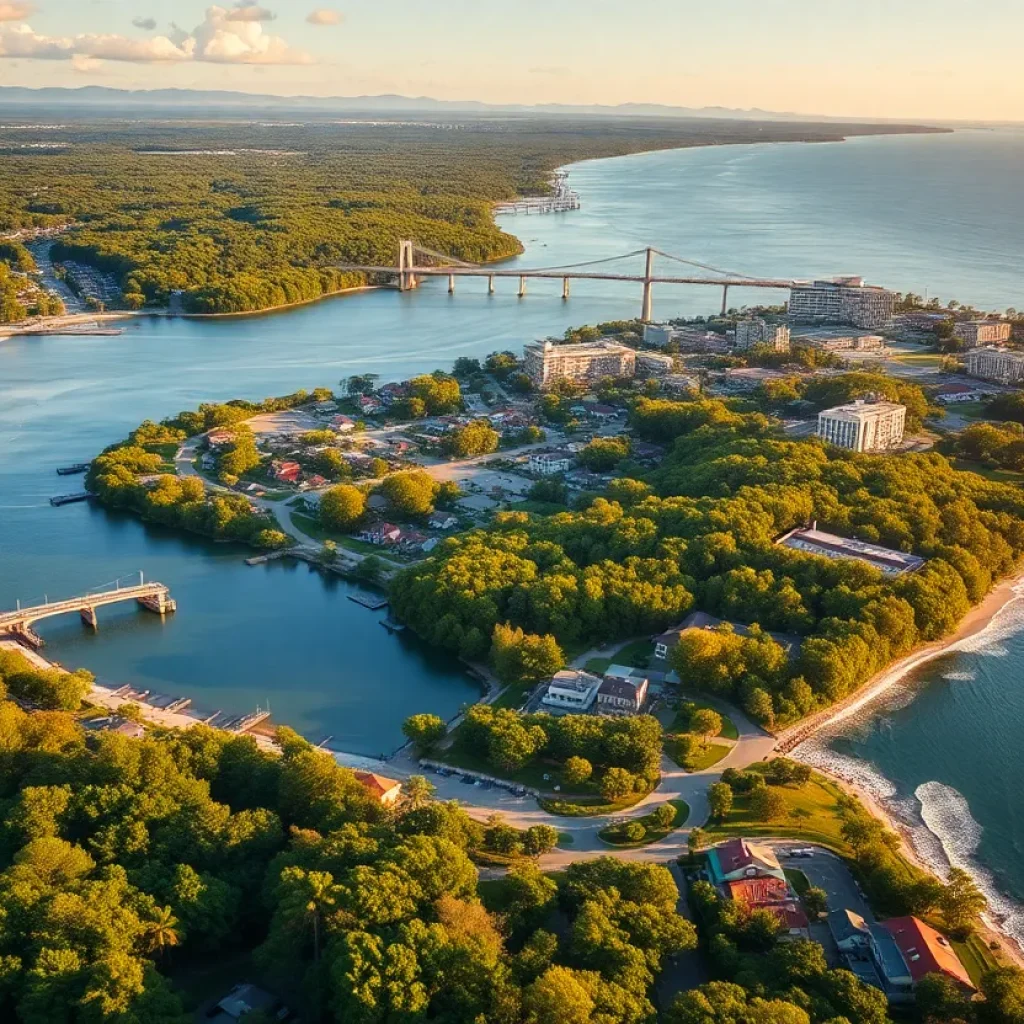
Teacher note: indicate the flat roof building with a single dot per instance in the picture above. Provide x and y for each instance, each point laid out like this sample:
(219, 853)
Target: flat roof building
(756, 331)
(545, 362)
(572, 690)
(838, 339)
(843, 300)
(653, 364)
(983, 332)
(995, 364)
(813, 541)
(863, 426)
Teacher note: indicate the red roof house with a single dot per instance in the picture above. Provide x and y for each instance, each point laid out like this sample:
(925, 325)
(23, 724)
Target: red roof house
(926, 951)
(286, 472)
(757, 891)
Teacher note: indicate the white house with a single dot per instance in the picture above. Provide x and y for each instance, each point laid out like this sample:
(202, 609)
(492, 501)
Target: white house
(572, 690)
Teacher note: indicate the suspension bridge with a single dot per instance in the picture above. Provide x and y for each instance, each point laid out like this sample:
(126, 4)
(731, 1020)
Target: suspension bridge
(411, 268)
(155, 597)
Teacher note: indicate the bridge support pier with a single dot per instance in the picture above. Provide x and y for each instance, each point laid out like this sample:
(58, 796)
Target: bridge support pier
(725, 299)
(565, 288)
(159, 603)
(406, 261)
(647, 307)
(490, 284)
(522, 287)
(90, 618)
(451, 284)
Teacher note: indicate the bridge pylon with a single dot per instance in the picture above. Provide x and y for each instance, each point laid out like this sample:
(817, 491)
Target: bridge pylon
(647, 307)
(406, 261)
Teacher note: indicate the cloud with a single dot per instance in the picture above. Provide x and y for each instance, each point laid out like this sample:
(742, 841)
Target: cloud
(15, 12)
(248, 10)
(146, 24)
(220, 39)
(324, 16)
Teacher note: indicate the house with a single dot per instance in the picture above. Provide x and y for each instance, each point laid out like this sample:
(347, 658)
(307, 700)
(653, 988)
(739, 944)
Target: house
(737, 859)
(442, 521)
(243, 1000)
(391, 393)
(368, 405)
(572, 690)
(384, 790)
(114, 723)
(286, 472)
(382, 534)
(850, 931)
(792, 918)
(757, 891)
(870, 952)
(316, 480)
(343, 424)
(622, 690)
(603, 413)
(549, 463)
(926, 951)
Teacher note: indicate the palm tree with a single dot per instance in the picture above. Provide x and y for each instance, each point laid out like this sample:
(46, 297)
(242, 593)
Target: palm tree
(162, 932)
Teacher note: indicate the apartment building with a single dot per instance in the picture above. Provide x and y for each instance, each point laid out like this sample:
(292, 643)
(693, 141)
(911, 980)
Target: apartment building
(843, 300)
(863, 426)
(653, 364)
(545, 362)
(759, 332)
(983, 332)
(1000, 364)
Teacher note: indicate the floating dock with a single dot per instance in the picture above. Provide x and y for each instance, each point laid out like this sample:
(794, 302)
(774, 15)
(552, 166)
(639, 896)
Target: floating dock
(371, 601)
(78, 467)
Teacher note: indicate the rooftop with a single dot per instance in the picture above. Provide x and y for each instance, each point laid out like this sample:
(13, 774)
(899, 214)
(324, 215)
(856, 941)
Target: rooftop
(830, 545)
(862, 408)
(926, 951)
(757, 891)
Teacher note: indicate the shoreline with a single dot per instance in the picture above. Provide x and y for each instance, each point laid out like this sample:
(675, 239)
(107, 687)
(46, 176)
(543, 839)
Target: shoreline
(975, 623)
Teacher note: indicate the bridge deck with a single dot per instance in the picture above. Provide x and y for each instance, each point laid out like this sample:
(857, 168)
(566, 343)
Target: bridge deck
(24, 616)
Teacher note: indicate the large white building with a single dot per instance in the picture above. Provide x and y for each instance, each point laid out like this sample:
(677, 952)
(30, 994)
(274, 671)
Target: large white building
(759, 332)
(572, 690)
(546, 362)
(843, 300)
(863, 426)
(983, 332)
(995, 364)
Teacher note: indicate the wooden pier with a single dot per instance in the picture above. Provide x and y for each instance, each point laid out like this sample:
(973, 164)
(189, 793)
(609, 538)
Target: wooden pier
(78, 467)
(70, 499)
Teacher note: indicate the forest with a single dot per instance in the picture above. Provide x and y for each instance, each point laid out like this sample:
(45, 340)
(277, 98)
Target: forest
(699, 532)
(241, 216)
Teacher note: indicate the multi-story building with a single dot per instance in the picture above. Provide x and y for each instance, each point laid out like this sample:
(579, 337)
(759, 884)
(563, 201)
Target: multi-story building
(759, 332)
(983, 332)
(995, 364)
(863, 426)
(546, 362)
(839, 340)
(653, 364)
(843, 300)
(572, 690)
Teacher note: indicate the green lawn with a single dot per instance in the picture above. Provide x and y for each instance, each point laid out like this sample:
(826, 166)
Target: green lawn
(976, 957)
(679, 723)
(612, 835)
(702, 758)
(588, 807)
(812, 816)
(636, 654)
(313, 528)
(798, 880)
(598, 666)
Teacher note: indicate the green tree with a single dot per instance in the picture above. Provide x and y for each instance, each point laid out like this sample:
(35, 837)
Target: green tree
(706, 723)
(520, 657)
(424, 730)
(962, 901)
(342, 507)
(617, 784)
(577, 770)
(767, 804)
(410, 493)
(720, 800)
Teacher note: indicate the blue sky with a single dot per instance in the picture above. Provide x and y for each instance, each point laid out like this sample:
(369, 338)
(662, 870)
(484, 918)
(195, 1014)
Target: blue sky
(877, 58)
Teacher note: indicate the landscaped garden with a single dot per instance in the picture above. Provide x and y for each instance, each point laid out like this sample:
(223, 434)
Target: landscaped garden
(651, 828)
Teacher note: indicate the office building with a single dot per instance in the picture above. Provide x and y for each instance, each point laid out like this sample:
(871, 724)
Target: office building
(983, 332)
(995, 364)
(545, 362)
(759, 332)
(863, 426)
(843, 300)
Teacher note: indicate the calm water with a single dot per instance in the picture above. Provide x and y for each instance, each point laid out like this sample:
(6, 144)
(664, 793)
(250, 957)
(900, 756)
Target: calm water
(938, 213)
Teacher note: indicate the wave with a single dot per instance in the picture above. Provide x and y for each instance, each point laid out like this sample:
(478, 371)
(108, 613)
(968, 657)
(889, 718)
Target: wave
(960, 677)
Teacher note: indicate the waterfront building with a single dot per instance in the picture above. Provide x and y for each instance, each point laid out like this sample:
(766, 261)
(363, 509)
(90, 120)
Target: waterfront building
(995, 364)
(384, 790)
(863, 426)
(843, 300)
(738, 859)
(622, 690)
(983, 332)
(813, 541)
(839, 340)
(756, 331)
(545, 362)
(572, 690)
(926, 952)
(653, 364)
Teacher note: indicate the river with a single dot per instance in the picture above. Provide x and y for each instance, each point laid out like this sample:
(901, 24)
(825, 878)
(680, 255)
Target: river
(939, 213)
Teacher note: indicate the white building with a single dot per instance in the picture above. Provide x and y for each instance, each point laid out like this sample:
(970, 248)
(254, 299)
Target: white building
(983, 332)
(545, 362)
(653, 364)
(759, 332)
(549, 463)
(838, 340)
(843, 300)
(995, 364)
(572, 690)
(863, 426)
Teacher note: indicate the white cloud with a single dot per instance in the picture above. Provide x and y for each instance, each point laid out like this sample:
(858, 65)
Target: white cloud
(218, 40)
(15, 12)
(248, 10)
(146, 24)
(324, 16)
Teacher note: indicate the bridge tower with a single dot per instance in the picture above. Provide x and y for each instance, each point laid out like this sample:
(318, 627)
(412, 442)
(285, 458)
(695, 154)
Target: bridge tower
(406, 261)
(647, 309)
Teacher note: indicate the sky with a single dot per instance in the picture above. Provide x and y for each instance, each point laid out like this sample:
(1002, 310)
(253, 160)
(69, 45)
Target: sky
(935, 59)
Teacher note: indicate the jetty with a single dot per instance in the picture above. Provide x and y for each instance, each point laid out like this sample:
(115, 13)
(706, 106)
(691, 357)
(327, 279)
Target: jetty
(78, 467)
(372, 601)
(70, 499)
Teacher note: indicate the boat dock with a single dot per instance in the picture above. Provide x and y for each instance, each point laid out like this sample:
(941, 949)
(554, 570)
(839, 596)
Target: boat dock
(70, 499)
(78, 467)
(371, 601)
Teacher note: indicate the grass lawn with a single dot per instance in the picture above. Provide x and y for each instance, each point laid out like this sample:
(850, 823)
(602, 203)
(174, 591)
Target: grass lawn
(612, 835)
(812, 816)
(701, 758)
(969, 410)
(598, 666)
(513, 696)
(976, 957)
(313, 528)
(798, 880)
(589, 807)
(680, 722)
(918, 358)
(636, 654)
